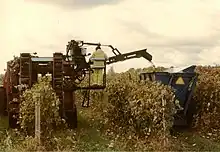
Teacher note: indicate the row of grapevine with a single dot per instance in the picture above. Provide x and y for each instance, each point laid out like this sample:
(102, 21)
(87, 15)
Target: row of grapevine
(207, 97)
(135, 108)
(132, 110)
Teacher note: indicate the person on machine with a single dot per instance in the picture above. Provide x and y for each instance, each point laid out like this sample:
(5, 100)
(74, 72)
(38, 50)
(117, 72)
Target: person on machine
(98, 59)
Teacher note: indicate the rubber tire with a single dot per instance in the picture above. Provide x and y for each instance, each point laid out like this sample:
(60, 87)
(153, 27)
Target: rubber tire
(12, 121)
(190, 113)
(75, 118)
(72, 118)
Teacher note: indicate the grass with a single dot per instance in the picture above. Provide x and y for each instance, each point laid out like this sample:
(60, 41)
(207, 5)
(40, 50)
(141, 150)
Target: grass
(89, 133)
(89, 137)
(192, 141)
(200, 143)
(92, 140)
(3, 123)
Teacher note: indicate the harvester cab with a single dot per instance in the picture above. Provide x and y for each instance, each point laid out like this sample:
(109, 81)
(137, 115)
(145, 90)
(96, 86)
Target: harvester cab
(183, 84)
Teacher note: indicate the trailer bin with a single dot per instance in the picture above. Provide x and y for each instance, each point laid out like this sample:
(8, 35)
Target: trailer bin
(183, 83)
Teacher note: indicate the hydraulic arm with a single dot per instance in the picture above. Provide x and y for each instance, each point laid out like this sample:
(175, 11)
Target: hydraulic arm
(136, 54)
(117, 54)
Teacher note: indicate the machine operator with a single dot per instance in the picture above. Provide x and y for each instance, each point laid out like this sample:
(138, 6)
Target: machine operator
(98, 58)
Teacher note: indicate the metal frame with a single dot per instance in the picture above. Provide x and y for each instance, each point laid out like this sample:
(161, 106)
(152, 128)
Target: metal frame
(71, 65)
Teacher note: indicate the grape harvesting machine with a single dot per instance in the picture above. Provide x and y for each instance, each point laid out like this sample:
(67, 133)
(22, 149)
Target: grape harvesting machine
(67, 71)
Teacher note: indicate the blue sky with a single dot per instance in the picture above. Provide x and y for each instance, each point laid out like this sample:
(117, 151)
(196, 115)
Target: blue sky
(175, 32)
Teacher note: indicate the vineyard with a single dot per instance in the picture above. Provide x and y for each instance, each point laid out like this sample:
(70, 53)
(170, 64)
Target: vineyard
(129, 115)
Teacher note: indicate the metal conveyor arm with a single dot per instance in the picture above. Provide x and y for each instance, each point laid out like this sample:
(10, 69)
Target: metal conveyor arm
(136, 54)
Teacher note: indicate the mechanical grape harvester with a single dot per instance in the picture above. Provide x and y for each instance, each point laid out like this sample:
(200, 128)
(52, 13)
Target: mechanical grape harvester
(67, 71)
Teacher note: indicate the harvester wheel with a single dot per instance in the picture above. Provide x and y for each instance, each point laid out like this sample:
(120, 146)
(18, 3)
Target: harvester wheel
(12, 120)
(190, 113)
(72, 118)
(75, 118)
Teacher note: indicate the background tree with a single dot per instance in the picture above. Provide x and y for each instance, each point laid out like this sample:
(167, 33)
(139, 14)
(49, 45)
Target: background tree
(111, 71)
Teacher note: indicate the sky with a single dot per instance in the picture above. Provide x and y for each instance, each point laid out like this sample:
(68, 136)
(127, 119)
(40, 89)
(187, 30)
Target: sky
(175, 32)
